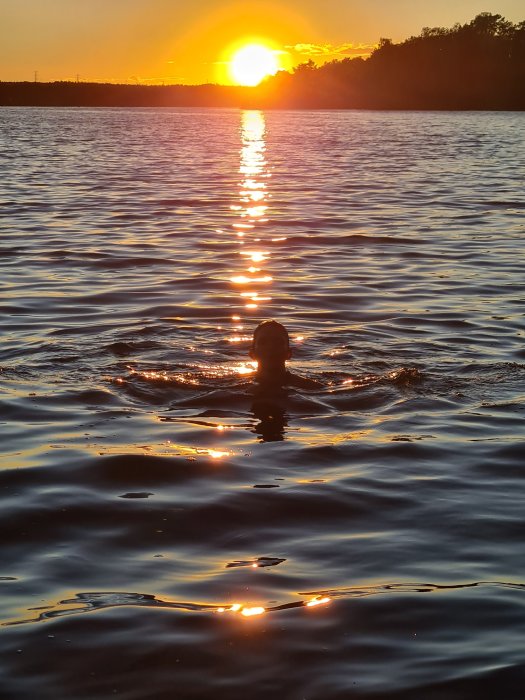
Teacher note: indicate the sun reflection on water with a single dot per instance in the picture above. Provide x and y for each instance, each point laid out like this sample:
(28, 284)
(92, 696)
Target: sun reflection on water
(251, 211)
(251, 611)
(318, 600)
(255, 256)
(246, 612)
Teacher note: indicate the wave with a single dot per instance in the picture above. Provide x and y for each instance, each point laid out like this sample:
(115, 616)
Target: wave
(93, 601)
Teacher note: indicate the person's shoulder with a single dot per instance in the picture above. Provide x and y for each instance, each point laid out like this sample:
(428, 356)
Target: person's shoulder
(299, 382)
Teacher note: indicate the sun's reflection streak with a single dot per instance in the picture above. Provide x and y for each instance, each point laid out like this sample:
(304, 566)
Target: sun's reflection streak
(251, 611)
(252, 212)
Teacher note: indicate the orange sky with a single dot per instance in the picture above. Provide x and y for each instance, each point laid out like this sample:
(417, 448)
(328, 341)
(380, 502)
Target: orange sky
(190, 41)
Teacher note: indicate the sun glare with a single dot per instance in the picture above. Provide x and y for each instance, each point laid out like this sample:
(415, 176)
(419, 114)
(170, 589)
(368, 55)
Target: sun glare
(252, 63)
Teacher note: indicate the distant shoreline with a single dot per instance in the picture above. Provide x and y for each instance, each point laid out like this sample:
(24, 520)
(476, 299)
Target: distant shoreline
(73, 94)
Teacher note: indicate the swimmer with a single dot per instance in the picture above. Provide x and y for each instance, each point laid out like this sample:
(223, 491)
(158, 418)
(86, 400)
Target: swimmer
(271, 349)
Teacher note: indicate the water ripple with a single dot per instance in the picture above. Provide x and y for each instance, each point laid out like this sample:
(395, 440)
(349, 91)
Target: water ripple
(139, 249)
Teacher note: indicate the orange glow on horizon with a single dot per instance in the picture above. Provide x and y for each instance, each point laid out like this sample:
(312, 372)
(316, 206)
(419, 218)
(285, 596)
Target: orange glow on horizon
(177, 43)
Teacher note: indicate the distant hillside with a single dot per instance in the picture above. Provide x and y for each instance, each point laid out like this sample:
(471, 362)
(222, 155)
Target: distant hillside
(478, 65)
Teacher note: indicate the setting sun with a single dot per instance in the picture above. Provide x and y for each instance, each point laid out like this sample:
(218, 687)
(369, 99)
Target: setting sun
(252, 63)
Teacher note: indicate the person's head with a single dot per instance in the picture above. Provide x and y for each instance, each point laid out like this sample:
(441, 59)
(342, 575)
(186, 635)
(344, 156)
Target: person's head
(270, 345)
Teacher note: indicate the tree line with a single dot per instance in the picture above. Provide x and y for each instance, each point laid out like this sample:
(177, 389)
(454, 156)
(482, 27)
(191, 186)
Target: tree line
(477, 65)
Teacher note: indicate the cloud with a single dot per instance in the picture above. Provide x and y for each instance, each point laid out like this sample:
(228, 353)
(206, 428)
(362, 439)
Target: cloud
(329, 50)
(159, 80)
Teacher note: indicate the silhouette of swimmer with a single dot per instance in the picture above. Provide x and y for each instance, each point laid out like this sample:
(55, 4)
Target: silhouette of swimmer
(271, 349)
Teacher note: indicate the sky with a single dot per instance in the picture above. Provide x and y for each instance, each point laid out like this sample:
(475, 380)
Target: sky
(192, 41)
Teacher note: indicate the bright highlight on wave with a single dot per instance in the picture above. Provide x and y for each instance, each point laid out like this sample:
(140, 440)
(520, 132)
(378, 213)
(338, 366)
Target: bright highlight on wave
(242, 279)
(318, 600)
(246, 612)
(217, 454)
(252, 63)
(259, 610)
(246, 368)
(255, 255)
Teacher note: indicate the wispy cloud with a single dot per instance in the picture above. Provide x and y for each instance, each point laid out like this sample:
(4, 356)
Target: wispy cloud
(329, 50)
(158, 80)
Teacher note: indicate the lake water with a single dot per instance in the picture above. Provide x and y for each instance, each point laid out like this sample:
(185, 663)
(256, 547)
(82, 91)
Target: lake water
(165, 537)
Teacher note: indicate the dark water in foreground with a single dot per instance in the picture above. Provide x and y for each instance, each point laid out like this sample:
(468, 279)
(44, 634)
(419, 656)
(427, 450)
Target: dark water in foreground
(162, 537)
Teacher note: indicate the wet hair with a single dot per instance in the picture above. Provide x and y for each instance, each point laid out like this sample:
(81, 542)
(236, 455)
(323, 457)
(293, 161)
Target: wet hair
(271, 324)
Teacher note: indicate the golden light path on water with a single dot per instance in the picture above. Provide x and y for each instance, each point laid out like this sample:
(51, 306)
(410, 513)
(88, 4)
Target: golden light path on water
(252, 281)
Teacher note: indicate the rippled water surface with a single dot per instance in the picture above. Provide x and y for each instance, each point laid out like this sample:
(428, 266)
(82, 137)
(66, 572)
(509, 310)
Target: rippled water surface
(165, 535)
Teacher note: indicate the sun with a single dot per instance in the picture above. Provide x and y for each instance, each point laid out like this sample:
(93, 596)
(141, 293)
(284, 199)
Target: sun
(252, 63)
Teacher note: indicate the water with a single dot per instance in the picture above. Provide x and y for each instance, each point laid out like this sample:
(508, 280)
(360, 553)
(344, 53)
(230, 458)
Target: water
(162, 536)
